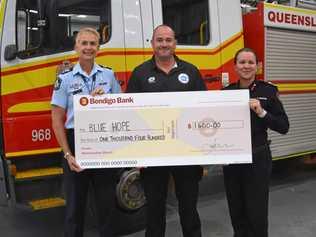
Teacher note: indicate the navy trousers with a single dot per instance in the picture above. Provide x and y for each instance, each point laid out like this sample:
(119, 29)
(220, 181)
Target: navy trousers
(247, 190)
(103, 183)
(186, 180)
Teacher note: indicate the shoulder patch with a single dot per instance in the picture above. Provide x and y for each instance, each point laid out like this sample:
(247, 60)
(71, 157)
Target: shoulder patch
(57, 84)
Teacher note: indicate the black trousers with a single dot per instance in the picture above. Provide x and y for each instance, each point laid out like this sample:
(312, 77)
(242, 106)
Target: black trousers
(103, 183)
(186, 180)
(247, 190)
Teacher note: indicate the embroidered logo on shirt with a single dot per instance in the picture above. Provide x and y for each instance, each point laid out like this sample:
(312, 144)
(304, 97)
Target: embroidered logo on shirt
(151, 80)
(76, 86)
(183, 78)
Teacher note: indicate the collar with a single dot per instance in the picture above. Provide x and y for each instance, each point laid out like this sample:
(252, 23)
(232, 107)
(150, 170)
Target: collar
(78, 70)
(251, 87)
(177, 62)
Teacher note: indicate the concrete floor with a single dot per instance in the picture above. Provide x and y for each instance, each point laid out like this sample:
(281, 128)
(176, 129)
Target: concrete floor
(292, 210)
(292, 213)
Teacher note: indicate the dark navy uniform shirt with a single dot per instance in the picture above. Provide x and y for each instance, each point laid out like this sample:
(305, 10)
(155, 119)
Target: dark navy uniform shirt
(275, 119)
(147, 77)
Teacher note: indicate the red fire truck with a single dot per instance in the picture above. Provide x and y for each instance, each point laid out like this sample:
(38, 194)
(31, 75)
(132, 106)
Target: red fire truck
(38, 35)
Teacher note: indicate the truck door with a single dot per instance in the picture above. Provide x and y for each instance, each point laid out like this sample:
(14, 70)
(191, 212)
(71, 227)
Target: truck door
(37, 36)
(43, 36)
(138, 27)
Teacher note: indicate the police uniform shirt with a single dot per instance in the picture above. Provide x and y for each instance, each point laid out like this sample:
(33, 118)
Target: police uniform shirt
(77, 82)
(147, 77)
(275, 119)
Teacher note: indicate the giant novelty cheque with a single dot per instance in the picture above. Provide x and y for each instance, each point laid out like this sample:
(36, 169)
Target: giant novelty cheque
(162, 129)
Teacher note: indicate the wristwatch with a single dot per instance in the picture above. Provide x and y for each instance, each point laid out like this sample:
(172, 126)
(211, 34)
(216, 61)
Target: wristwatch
(66, 155)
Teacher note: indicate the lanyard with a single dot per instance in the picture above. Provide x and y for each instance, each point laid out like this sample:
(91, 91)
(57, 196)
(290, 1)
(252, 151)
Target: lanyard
(86, 83)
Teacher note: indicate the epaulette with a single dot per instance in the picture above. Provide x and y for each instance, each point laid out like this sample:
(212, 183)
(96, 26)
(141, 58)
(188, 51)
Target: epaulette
(66, 70)
(105, 67)
(271, 84)
(231, 86)
(64, 67)
(268, 83)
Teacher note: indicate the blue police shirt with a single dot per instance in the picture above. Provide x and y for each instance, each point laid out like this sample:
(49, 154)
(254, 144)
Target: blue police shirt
(77, 82)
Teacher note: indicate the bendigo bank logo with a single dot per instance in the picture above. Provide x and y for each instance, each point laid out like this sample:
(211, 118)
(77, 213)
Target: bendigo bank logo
(84, 101)
(106, 101)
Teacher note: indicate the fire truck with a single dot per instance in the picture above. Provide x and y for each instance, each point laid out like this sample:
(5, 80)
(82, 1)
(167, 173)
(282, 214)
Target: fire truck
(38, 35)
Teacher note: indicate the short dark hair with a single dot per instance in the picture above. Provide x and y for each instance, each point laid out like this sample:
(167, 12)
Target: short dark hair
(157, 27)
(245, 50)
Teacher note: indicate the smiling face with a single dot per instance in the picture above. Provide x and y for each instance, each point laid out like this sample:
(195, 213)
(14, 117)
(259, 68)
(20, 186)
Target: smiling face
(163, 43)
(87, 46)
(246, 67)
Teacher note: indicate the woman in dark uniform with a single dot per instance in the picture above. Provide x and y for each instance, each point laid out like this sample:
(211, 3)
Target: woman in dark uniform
(247, 185)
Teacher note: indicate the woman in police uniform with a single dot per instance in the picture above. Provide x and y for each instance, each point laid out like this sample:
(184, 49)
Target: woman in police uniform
(247, 185)
(86, 78)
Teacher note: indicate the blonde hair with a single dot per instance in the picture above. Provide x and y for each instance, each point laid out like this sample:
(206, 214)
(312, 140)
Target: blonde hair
(88, 30)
